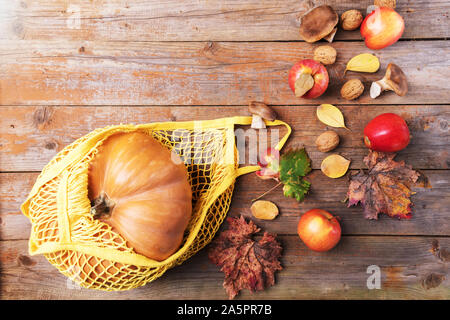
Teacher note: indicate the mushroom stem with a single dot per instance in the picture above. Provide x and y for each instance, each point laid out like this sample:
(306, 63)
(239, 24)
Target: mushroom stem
(260, 112)
(394, 80)
(379, 86)
(384, 85)
(329, 37)
(375, 90)
(258, 122)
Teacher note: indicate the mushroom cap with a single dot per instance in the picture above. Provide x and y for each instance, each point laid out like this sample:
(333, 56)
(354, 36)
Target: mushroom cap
(396, 79)
(318, 23)
(262, 110)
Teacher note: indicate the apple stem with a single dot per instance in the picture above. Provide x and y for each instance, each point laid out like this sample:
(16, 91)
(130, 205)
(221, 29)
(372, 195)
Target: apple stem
(333, 217)
(268, 191)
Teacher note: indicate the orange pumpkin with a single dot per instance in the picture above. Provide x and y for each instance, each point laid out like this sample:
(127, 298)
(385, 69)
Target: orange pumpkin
(141, 190)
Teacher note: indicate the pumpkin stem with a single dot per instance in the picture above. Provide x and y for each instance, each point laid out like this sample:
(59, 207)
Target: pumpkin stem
(102, 206)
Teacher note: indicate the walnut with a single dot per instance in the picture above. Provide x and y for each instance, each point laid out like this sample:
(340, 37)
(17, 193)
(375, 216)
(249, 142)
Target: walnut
(327, 141)
(351, 19)
(385, 3)
(325, 54)
(352, 89)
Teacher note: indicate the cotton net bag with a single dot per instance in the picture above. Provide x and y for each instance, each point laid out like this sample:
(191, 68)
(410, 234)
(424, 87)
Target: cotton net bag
(87, 250)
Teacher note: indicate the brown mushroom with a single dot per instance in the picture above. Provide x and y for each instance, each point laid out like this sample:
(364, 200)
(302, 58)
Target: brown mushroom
(330, 37)
(260, 111)
(394, 80)
(319, 23)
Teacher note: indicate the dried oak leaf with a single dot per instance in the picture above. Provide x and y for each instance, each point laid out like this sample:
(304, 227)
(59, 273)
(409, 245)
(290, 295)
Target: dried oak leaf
(384, 188)
(247, 264)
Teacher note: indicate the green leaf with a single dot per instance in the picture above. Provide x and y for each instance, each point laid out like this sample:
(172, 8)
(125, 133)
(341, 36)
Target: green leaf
(297, 190)
(294, 165)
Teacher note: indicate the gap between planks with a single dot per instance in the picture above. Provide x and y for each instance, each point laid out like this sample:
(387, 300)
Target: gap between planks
(260, 234)
(262, 41)
(214, 105)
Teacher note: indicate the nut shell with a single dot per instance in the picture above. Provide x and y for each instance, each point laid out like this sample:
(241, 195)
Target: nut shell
(352, 89)
(327, 141)
(385, 3)
(351, 20)
(325, 54)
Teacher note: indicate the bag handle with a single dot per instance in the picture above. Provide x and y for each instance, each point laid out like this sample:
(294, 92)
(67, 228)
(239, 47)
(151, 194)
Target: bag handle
(247, 121)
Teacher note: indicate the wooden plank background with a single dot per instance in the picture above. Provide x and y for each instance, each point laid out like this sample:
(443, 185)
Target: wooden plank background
(147, 60)
(304, 276)
(192, 20)
(202, 73)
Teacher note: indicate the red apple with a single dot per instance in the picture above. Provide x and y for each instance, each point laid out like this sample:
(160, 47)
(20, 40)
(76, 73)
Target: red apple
(270, 164)
(382, 27)
(319, 230)
(387, 132)
(316, 70)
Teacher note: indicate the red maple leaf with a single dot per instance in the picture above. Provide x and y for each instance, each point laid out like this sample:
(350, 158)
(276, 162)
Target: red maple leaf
(247, 264)
(384, 188)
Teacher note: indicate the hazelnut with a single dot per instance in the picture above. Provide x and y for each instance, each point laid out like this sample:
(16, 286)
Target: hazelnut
(325, 54)
(327, 141)
(351, 19)
(352, 89)
(385, 3)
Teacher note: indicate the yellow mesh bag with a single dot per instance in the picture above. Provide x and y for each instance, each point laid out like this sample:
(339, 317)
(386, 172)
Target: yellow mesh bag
(88, 251)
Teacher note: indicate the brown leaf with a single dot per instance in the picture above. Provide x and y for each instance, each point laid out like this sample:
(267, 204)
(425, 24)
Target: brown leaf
(246, 264)
(384, 188)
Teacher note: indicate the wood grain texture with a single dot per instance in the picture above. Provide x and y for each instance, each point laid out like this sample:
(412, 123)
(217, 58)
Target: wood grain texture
(201, 73)
(405, 264)
(69, 67)
(31, 136)
(429, 217)
(192, 20)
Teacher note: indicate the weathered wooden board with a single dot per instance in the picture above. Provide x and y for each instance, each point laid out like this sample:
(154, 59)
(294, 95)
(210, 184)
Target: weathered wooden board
(409, 270)
(31, 136)
(201, 73)
(67, 68)
(216, 20)
(428, 216)
(329, 194)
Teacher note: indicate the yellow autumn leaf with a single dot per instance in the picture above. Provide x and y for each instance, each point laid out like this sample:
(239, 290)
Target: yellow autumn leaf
(334, 166)
(265, 210)
(365, 62)
(331, 116)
